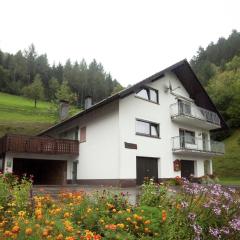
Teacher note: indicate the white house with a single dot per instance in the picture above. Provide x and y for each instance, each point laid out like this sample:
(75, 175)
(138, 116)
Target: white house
(160, 128)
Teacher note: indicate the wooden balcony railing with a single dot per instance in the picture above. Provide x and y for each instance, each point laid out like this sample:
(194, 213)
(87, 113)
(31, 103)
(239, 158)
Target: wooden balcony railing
(42, 145)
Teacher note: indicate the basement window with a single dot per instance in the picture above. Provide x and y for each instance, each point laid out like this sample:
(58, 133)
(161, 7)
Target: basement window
(146, 128)
(149, 94)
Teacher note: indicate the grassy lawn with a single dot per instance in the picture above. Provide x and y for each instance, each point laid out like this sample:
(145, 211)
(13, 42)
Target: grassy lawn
(18, 115)
(227, 166)
(230, 181)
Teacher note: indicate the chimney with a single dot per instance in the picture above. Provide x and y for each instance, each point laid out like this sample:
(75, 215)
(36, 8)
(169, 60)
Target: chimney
(63, 109)
(88, 102)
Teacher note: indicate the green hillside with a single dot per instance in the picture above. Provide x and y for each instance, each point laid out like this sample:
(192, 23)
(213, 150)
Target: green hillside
(229, 164)
(18, 115)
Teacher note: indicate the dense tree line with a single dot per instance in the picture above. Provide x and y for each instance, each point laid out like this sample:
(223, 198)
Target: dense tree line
(218, 68)
(30, 74)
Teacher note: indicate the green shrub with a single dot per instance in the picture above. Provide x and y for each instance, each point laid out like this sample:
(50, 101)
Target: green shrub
(152, 194)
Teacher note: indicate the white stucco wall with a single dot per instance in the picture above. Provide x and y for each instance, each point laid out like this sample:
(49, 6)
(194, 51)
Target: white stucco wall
(99, 155)
(131, 108)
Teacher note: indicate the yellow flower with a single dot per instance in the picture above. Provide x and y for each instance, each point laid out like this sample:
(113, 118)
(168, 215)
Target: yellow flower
(120, 225)
(21, 214)
(128, 210)
(89, 210)
(59, 237)
(178, 206)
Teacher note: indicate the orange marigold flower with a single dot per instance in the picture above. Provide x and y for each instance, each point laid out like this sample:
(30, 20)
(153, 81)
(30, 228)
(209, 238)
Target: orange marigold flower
(147, 222)
(70, 238)
(28, 231)
(45, 233)
(69, 228)
(8, 234)
(15, 229)
(164, 215)
(66, 214)
(146, 230)
(111, 226)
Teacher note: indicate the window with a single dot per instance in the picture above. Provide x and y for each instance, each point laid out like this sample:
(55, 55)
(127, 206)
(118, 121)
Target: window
(148, 94)
(76, 133)
(145, 128)
(83, 134)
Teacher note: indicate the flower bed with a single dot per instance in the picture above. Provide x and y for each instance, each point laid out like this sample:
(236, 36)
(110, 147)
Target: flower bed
(194, 212)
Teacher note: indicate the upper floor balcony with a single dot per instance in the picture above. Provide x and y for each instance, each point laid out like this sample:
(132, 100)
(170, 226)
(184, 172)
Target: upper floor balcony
(187, 145)
(40, 145)
(192, 115)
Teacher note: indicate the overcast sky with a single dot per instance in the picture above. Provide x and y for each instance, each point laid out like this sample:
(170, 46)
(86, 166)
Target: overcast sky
(133, 39)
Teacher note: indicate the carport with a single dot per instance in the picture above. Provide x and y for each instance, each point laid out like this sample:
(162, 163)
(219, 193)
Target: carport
(45, 158)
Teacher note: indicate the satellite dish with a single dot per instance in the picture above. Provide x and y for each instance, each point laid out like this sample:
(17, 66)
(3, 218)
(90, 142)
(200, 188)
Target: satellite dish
(170, 88)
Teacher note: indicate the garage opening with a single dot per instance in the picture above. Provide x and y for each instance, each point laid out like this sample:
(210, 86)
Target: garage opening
(146, 168)
(187, 168)
(45, 172)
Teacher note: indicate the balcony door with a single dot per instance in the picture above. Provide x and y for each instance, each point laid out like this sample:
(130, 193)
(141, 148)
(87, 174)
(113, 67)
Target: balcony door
(184, 108)
(187, 138)
(205, 141)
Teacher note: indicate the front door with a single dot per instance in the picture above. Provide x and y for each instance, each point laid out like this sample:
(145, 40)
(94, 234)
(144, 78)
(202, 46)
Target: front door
(146, 168)
(187, 168)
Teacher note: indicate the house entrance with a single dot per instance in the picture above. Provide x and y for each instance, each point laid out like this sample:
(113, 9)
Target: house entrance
(187, 168)
(45, 172)
(146, 167)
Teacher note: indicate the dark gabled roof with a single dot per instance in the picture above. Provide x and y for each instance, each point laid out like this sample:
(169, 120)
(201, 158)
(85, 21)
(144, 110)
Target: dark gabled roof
(184, 73)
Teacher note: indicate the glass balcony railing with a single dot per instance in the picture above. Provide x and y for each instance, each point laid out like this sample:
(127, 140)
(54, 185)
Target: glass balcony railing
(187, 109)
(193, 144)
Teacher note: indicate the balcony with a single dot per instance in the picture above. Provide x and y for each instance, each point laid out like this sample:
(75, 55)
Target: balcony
(185, 145)
(188, 113)
(39, 145)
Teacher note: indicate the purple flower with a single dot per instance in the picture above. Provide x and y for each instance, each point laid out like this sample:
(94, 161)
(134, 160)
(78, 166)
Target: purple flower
(217, 211)
(235, 224)
(184, 204)
(225, 230)
(215, 232)
(192, 216)
(197, 229)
